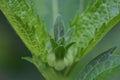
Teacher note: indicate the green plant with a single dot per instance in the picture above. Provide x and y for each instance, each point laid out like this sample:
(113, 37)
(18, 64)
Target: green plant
(57, 52)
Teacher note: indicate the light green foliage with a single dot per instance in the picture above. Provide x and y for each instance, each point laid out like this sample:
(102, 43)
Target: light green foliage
(56, 54)
(94, 23)
(27, 25)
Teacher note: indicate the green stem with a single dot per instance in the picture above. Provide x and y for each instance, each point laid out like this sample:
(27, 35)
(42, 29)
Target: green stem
(48, 72)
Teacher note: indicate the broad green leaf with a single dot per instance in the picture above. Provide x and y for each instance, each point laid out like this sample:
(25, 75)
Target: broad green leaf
(94, 23)
(100, 64)
(26, 24)
(86, 24)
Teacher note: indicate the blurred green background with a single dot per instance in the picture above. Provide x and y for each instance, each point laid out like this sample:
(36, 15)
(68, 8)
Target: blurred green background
(12, 67)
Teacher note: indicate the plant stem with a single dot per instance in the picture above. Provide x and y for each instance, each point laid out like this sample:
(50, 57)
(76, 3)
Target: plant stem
(47, 72)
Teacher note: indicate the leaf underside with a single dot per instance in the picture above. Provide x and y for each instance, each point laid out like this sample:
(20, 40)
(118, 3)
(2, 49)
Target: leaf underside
(105, 61)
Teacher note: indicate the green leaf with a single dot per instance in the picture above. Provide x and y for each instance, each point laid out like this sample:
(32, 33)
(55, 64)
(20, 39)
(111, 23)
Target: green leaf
(100, 64)
(94, 23)
(28, 59)
(26, 24)
(69, 45)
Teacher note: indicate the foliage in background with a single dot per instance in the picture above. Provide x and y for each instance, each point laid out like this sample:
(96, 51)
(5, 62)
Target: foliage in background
(90, 27)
